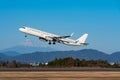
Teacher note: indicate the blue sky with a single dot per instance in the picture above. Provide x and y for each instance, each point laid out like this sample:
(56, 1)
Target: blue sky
(99, 18)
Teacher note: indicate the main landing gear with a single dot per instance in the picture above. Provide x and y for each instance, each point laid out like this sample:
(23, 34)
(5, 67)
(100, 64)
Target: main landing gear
(51, 43)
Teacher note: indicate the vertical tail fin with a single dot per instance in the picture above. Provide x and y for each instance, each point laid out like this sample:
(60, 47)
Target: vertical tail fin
(82, 39)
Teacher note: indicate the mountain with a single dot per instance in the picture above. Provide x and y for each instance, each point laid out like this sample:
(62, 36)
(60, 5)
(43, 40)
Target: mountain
(88, 54)
(3, 56)
(11, 53)
(115, 57)
(27, 49)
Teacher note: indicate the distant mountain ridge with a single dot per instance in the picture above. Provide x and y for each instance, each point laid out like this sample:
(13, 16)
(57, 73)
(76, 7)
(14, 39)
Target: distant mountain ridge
(48, 56)
(11, 53)
(115, 57)
(27, 49)
(3, 56)
(88, 54)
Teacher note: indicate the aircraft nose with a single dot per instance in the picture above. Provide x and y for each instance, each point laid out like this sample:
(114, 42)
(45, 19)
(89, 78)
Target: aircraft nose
(20, 29)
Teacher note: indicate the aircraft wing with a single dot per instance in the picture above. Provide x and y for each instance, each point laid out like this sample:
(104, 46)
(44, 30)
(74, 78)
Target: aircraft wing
(61, 37)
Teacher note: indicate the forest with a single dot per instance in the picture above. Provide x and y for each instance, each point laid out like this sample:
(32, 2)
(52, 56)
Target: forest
(61, 63)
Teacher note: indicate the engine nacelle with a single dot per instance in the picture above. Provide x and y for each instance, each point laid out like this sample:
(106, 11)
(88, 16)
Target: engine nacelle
(83, 44)
(48, 38)
(43, 39)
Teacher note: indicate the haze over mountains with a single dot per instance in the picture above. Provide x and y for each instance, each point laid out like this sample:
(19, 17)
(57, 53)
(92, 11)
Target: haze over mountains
(27, 49)
(46, 54)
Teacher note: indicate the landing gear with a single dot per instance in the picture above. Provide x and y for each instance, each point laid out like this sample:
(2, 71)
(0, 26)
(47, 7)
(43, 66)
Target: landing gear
(53, 42)
(25, 35)
(49, 43)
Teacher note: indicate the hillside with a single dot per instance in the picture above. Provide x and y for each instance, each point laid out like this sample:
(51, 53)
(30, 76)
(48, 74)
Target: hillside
(114, 57)
(26, 49)
(3, 56)
(88, 54)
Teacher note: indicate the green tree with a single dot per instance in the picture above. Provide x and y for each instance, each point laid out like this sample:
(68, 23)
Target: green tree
(14, 64)
(5, 64)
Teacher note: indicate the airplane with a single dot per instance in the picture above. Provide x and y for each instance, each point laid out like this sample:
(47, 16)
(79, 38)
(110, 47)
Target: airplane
(52, 38)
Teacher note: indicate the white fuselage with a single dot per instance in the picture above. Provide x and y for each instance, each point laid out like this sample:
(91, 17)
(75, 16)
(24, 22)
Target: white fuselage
(49, 37)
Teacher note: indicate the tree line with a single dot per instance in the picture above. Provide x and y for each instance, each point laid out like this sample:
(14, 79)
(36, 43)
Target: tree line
(71, 62)
(62, 62)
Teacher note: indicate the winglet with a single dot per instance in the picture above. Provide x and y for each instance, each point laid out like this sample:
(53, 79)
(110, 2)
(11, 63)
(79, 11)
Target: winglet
(72, 34)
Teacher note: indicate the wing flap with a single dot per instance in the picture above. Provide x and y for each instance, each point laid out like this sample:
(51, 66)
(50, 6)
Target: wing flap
(61, 37)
